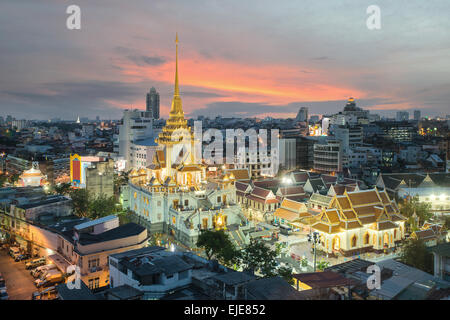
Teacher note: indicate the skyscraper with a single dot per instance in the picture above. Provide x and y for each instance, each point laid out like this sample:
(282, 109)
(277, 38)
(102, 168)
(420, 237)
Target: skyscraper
(153, 103)
(402, 116)
(417, 115)
(302, 115)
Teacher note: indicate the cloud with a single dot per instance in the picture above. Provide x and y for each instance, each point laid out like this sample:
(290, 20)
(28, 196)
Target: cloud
(71, 98)
(146, 60)
(248, 110)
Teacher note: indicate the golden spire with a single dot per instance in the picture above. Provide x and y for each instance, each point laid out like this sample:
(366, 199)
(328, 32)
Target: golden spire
(176, 116)
(177, 88)
(177, 108)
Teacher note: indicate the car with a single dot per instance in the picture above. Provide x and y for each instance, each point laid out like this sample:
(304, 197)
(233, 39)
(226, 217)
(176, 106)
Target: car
(42, 269)
(2, 283)
(14, 251)
(49, 293)
(21, 257)
(51, 278)
(35, 263)
(3, 294)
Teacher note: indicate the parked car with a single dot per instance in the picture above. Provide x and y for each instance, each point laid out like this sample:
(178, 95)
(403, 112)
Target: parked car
(3, 294)
(2, 283)
(37, 272)
(21, 257)
(35, 263)
(14, 251)
(51, 278)
(47, 294)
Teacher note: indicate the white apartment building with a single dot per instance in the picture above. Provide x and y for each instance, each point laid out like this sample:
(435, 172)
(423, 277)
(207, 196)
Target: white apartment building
(328, 156)
(137, 126)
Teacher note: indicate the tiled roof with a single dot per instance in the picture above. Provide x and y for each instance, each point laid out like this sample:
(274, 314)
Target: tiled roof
(301, 177)
(343, 202)
(239, 174)
(241, 186)
(424, 234)
(286, 214)
(384, 225)
(260, 192)
(292, 205)
(363, 197)
(293, 190)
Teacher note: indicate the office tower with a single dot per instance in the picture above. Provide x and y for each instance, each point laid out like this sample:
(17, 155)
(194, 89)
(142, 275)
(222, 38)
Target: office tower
(153, 103)
(302, 115)
(136, 130)
(417, 115)
(402, 116)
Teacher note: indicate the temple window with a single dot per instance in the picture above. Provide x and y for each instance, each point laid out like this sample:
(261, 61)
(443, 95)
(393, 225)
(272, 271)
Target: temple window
(354, 241)
(366, 238)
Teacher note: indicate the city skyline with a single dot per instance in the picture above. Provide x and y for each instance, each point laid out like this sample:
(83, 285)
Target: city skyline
(265, 61)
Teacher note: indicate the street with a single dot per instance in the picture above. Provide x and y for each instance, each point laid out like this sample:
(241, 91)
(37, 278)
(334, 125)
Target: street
(19, 282)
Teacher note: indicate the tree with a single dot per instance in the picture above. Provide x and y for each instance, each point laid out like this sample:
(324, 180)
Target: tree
(322, 265)
(422, 210)
(156, 239)
(102, 206)
(120, 180)
(416, 254)
(80, 202)
(286, 274)
(447, 222)
(258, 257)
(14, 178)
(63, 188)
(3, 179)
(218, 245)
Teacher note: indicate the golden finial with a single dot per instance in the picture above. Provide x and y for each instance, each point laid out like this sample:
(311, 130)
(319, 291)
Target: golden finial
(177, 89)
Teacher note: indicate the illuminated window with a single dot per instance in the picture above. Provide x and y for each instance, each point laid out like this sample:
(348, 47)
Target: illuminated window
(174, 220)
(135, 195)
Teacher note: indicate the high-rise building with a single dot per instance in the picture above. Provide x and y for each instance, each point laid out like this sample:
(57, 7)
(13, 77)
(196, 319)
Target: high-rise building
(302, 115)
(328, 156)
(402, 116)
(153, 103)
(137, 126)
(417, 115)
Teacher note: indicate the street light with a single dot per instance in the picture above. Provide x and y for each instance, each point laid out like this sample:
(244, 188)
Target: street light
(314, 238)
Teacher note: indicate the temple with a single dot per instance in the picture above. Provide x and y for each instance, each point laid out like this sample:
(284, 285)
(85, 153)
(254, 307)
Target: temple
(360, 221)
(172, 195)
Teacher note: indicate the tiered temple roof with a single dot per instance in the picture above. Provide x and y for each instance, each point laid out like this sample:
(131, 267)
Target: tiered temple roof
(355, 209)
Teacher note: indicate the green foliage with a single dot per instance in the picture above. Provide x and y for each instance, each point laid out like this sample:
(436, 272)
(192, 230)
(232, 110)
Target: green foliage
(120, 180)
(13, 178)
(279, 246)
(103, 206)
(447, 223)
(422, 209)
(415, 254)
(3, 179)
(85, 205)
(80, 202)
(218, 245)
(286, 274)
(258, 257)
(155, 239)
(63, 188)
(304, 262)
(124, 217)
(322, 265)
